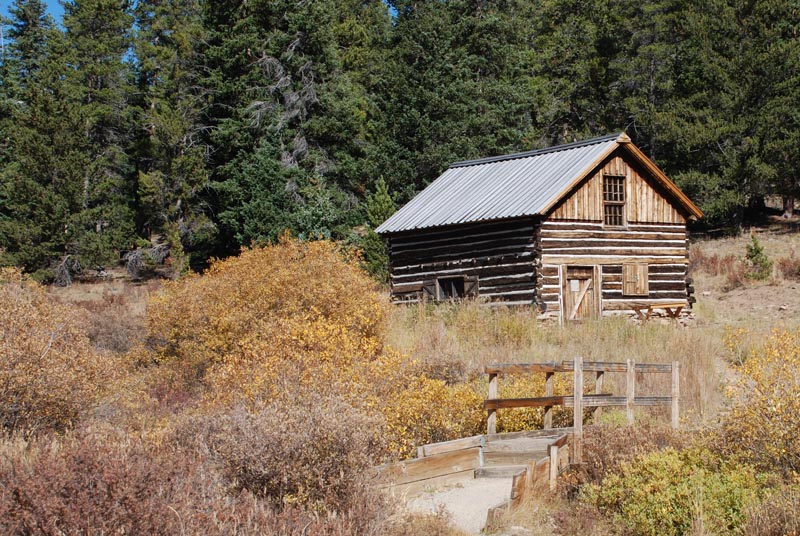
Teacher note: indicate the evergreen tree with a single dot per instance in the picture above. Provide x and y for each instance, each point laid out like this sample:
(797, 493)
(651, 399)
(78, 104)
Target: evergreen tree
(170, 150)
(97, 81)
(28, 47)
(457, 86)
(772, 95)
(576, 45)
(375, 249)
(288, 109)
(35, 190)
(218, 124)
(677, 84)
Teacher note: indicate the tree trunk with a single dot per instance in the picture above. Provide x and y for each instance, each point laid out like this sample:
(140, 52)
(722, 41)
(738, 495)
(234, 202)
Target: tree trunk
(788, 206)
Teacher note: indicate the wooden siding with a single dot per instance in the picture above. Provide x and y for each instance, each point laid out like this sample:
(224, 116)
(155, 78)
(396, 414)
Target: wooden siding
(586, 203)
(663, 247)
(644, 201)
(500, 254)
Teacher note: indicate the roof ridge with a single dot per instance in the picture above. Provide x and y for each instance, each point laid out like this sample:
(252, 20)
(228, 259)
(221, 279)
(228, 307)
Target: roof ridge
(536, 152)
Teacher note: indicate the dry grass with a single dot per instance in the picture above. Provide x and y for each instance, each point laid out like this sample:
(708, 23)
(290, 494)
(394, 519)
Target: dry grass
(414, 524)
(789, 267)
(731, 302)
(734, 314)
(114, 310)
(553, 514)
(219, 487)
(717, 265)
(467, 337)
(778, 515)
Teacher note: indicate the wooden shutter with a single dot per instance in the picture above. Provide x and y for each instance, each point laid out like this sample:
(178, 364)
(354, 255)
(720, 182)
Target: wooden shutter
(634, 280)
(470, 286)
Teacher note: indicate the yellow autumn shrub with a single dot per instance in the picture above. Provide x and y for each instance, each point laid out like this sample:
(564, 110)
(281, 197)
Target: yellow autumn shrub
(429, 411)
(282, 317)
(49, 372)
(294, 318)
(764, 418)
(531, 386)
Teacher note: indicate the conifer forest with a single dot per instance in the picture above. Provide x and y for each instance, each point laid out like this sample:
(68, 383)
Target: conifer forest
(207, 125)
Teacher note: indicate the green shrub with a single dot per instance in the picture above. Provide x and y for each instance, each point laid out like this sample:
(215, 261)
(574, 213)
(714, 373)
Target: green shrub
(760, 266)
(670, 493)
(608, 447)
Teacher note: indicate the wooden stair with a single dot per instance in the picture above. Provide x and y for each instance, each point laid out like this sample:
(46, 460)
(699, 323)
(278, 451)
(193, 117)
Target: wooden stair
(499, 471)
(515, 451)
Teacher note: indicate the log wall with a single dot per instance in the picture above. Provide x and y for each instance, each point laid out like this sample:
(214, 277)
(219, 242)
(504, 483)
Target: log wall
(663, 247)
(500, 254)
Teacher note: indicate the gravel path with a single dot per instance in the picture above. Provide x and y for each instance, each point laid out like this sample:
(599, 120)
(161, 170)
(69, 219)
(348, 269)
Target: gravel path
(467, 503)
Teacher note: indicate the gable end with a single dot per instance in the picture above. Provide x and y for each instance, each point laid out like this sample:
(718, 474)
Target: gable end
(645, 198)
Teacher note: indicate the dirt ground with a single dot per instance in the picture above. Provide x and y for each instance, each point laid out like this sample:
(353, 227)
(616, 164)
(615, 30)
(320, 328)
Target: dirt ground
(777, 304)
(467, 504)
(774, 302)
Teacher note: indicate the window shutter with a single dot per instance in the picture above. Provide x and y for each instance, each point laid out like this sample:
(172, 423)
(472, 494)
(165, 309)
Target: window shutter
(635, 280)
(470, 286)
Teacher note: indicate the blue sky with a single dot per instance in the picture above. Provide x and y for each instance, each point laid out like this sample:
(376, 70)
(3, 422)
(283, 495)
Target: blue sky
(53, 7)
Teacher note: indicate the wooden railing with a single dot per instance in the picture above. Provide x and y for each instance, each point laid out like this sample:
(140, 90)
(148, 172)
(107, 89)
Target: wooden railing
(579, 399)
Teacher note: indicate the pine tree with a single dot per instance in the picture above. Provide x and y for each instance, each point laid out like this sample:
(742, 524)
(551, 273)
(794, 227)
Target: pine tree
(170, 150)
(97, 80)
(773, 58)
(35, 190)
(457, 86)
(576, 44)
(375, 249)
(677, 82)
(290, 107)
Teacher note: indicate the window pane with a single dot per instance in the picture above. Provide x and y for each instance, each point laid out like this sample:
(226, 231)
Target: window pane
(614, 189)
(613, 200)
(613, 215)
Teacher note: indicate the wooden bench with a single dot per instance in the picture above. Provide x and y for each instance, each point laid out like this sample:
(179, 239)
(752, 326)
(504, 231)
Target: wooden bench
(645, 310)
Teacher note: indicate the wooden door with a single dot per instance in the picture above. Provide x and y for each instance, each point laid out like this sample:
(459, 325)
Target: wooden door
(579, 292)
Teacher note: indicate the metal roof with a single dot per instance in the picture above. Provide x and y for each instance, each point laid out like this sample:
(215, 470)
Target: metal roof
(522, 184)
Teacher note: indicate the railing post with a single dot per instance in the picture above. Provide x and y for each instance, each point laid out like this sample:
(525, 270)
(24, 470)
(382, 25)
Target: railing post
(553, 467)
(598, 390)
(630, 385)
(548, 391)
(491, 421)
(577, 412)
(676, 378)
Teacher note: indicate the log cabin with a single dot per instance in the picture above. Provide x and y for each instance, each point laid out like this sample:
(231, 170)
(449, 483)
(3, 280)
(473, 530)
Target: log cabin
(581, 230)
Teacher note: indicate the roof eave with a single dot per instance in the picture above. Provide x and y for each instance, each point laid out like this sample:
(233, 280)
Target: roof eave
(693, 210)
(461, 224)
(556, 199)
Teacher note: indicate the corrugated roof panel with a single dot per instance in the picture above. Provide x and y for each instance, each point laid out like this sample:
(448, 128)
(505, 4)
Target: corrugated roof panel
(496, 188)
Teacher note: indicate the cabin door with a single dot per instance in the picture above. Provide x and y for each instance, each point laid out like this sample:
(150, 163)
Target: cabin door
(578, 292)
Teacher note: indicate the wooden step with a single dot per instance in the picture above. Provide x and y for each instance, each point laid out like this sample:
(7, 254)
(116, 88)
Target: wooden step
(499, 471)
(522, 444)
(493, 459)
